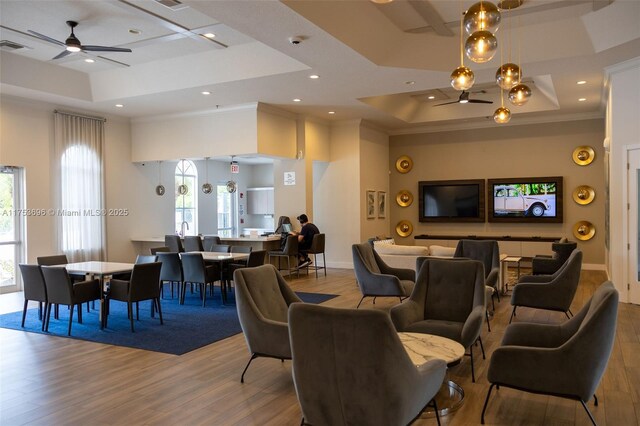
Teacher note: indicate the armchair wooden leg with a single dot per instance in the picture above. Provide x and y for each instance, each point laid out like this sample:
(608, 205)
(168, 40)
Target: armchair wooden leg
(486, 401)
(253, 356)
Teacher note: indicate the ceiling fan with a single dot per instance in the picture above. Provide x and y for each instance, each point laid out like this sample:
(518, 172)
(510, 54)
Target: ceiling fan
(73, 45)
(464, 98)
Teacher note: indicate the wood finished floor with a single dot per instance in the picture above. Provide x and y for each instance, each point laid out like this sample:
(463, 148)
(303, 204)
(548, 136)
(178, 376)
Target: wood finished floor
(47, 380)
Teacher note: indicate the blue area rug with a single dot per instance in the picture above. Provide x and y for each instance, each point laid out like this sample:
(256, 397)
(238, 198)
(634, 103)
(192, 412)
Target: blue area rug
(186, 327)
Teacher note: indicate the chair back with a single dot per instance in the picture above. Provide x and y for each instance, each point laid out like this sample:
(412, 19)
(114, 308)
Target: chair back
(171, 267)
(143, 258)
(485, 251)
(562, 251)
(156, 250)
(256, 258)
(193, 268)
(193, 243)
(57, 259)
(566, 279)
(210, 240)
(220, 248)
(33, 283)
(317, 244)
(58, 284)
(291, 246)
(145, 281)
(174, 243)
(264, 289)
(350, 368)
(364, 260)
(449, 289)
(241, 249)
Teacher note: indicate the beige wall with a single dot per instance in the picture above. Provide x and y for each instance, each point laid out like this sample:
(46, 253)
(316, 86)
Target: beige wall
(26, 135)
(276, 132)
(374, 175)
(501, 152)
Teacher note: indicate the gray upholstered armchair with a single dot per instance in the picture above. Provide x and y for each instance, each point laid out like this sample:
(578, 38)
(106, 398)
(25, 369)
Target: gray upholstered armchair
(552, 292)
(263, 298)
(488, 253)
(565, 360)
(377, 279)
(350, 368)
(448, 300)
(546, 265)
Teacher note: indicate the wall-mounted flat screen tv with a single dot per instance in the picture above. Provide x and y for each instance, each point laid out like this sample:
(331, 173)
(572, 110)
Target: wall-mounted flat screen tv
(452, 200)
(537, 199)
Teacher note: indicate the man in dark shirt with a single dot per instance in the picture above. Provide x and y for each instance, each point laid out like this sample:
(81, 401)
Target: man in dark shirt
(305, 237)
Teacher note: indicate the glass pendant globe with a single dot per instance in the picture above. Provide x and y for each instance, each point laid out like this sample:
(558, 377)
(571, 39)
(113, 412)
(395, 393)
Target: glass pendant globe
(481, 46)
(482, 16)
(462, 78)
(502, 115)
(519, 94)
(508, 75)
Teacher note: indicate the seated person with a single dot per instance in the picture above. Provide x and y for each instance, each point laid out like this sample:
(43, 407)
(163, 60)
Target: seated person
(305, 237)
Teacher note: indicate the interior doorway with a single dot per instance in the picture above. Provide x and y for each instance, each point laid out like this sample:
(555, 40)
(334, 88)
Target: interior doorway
(633, 224)
(12, 215)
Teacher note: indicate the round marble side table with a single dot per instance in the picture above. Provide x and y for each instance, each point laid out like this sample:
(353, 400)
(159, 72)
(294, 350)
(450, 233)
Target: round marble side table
(422, 348)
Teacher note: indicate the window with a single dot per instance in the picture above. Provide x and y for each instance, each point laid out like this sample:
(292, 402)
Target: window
(80, 214)
(11, 225)
(226, 211)
(186, 198)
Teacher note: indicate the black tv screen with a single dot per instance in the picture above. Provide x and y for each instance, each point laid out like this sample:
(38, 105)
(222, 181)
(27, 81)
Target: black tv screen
(452, 201)
(536, 199)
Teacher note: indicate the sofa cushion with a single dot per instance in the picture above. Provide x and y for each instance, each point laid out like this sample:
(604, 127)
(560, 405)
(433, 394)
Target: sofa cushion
(402, 250)
(385, 242)
(442, 251)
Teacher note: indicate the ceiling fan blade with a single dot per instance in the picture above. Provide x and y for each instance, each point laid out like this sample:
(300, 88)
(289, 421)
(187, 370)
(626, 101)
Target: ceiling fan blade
(47, 38)
(479, 101)
(448, 103)
(61, 55)
(104, 49)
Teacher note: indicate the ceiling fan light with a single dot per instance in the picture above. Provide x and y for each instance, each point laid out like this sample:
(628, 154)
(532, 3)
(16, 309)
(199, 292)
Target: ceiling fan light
(519, 94)
(73, 44)
(481, 46)
(482, 16)
(502, 115)
(462, 78)
(508, 75)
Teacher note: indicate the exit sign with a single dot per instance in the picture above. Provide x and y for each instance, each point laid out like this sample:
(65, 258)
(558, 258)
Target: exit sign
(235, 167)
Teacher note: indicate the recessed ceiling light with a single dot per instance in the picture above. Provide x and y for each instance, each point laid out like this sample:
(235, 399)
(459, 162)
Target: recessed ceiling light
(409, 82)
(582, 82)
(135, 31)
(209, 35)
(119, 105)
(297, 100)
(89, 60)
(582, 99)
(431, 97)
(332, 112)
(206, 93)
(314, 76)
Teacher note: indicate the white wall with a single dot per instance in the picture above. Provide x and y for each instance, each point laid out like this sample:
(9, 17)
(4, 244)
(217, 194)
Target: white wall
(623, 128)
(26, 138)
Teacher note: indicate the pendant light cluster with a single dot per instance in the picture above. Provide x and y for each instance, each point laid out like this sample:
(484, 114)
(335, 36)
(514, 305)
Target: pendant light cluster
(480, 22)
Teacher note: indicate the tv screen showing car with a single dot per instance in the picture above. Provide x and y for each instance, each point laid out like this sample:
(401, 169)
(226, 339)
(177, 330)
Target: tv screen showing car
(451, 201)
(536, 199)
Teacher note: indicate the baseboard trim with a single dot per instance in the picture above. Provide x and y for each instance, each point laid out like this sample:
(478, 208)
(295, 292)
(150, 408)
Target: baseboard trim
(594, 267)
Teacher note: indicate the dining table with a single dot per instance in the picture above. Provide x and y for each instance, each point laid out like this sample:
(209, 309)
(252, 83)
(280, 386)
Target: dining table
(103, 272)
(223, 259)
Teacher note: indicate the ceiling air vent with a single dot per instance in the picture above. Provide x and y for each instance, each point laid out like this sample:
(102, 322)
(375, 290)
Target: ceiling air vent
(172, 4)
(11, 46)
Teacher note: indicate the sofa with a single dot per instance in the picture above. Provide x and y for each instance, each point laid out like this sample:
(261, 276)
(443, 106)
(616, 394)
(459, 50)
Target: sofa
(399, 256)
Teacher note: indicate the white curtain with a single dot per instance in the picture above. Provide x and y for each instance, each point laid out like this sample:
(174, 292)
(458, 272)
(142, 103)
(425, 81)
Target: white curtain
(79, 186)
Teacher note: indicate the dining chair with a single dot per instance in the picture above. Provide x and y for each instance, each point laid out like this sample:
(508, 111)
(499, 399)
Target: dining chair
(61, 291)
(256, 258)
(317, 247)
(59, 259)
(171, 272)
(156, 250)
(142, 286)
(174, 243)
(193, 243)
(241, 249)
(197, 272)
(220, 248)
(210, 240)
(289, 250)
(34, 289)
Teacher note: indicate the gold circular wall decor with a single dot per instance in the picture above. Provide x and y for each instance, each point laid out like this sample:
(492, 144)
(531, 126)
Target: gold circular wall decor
(404, 228)
(584, 230)
(404, 164)
(583, 155)
(404, 198)
(584, 194)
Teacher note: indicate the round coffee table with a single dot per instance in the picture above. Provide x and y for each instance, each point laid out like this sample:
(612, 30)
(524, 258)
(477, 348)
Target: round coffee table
(422, 348)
